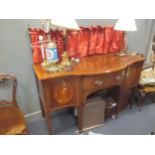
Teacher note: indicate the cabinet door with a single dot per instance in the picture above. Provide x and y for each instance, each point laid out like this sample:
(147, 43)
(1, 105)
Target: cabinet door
(133, 75)
(61, 92)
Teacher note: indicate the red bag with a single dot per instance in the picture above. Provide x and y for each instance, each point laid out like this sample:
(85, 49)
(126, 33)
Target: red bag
(82, 42)
(117, 41)
(36, 50)
(100, 40)
(72, 43)
(57, 37)
(108, 32)
(93, 40)
(60, 44)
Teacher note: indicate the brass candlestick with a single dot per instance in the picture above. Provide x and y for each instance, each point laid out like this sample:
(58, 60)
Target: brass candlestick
(65, 64)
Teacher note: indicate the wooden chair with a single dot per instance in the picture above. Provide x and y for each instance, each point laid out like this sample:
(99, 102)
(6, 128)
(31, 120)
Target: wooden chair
(147, 88)
(11, 118)
(143, 91)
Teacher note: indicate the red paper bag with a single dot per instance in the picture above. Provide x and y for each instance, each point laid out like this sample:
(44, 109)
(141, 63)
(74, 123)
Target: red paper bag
(35, 44)
(100, 40)
(117, 41)
(57, 37)
(108, 33)
(92, 41)
(82, 41)
(72, 43)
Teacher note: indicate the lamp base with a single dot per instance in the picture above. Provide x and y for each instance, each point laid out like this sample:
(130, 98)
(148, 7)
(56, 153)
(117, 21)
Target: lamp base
(51, 66)
(122, 53)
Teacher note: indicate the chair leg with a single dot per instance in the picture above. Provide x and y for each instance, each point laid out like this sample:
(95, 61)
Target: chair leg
(131, 99)
(141, 103)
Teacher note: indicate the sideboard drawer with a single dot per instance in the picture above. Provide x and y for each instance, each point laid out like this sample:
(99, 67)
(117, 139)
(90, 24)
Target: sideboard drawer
(102, 81)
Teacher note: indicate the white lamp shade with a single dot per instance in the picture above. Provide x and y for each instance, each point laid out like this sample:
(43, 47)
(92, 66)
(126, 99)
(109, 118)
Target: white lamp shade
(126, 25)
(65, 23)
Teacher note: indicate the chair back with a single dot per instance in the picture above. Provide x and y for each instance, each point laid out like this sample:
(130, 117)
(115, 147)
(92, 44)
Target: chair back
(4, 77)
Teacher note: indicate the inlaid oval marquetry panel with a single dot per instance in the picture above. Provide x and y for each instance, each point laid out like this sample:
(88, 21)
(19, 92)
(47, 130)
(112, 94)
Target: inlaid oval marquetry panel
(63, 92)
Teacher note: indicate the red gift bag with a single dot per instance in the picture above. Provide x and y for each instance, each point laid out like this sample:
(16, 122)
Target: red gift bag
(117, 41)
(108, 33)
(100, 40)
(57, 37)
(82, 41)
(72, 43)
(35, 44)
(92, 41)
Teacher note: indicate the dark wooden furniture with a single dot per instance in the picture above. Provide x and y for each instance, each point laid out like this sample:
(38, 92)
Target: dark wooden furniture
(143, 91)
(145, 88)
(93, 73)
(11, 118)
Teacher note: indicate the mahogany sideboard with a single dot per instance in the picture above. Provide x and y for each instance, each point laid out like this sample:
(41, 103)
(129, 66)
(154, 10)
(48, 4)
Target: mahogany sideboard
(92, 73)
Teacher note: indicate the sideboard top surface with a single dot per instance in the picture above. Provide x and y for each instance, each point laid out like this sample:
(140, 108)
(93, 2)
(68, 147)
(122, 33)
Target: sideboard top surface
(92, 65)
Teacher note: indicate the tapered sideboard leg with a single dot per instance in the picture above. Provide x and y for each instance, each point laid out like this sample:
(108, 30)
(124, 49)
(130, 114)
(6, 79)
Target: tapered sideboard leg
(49, 122)
(80, 116)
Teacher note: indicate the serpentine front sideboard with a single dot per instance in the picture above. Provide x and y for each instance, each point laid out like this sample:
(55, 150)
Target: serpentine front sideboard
(92, 73)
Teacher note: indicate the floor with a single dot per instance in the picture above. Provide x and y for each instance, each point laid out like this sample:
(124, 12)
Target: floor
(130, 122)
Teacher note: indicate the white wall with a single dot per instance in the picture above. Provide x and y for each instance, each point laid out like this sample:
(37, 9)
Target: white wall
(15, 54)
(15, 57)
(150, 40)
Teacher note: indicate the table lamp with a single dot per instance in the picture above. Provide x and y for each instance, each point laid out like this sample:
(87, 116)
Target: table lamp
(125, 25)
(65, 24)
(62, 24)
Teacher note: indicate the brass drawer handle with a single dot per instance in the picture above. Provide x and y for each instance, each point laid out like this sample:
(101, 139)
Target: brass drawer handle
(118, 78)
(98, 82)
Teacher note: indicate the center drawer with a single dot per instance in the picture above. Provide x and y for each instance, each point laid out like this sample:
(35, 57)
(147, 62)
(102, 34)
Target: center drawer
(102, 81)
